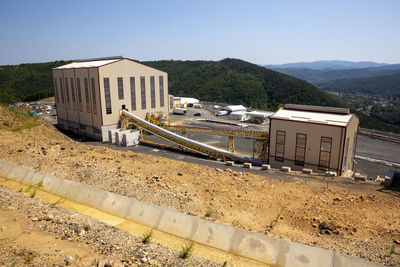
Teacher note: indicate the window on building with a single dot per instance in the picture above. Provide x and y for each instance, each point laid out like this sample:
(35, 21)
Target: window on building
(143, 91)
(346, 152)
(93, 95)
(62, 93)
(78, 88)
(85, 81)
(171, 102)
(67, 92)
(56, 96)
(107, 95)
(153, 92)
(280, 145)
(120, 88)
(161, 80)
(73, 94)
(133, 93)
(300, 153)
(123, 107)
(325, 153)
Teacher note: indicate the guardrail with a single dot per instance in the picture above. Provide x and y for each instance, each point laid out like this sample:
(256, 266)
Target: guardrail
(186, 142)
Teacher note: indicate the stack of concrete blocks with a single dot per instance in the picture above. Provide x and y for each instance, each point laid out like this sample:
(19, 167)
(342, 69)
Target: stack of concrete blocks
(260, 247)
(124, 137)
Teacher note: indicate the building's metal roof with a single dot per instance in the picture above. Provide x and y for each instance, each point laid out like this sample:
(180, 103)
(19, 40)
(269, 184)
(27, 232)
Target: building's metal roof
(235, 108)
(88, 64)
(312, 116)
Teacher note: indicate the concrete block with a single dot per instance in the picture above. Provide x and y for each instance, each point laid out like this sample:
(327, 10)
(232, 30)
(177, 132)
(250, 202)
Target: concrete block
(247, 165)
(115, 204)
(265, 167)
(285, 169)
(32, 178)
(5, 167)
(295, 254)
(255, 246)
(340, 260)
(104, 132)
(176, 223)
(111, 136)
(17, 173)
(51, 183)
(144, 213)
(307, 171)
(118, 136)
(212, 234)
(230, 163)
(90, 195)
(329, 173)
(69, 189)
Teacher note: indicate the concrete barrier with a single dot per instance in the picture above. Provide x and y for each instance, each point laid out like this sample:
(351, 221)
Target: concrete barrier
(295, 254)
(90, 195)
(213, 234)
(256, 246)
(265, 167)
(69, 189)
(115, 204)
(5, 167)
(144, 213)
(16, 173)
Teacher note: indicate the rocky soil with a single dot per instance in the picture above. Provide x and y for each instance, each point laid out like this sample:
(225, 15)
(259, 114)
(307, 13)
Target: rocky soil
(360, 222)
(35, 233)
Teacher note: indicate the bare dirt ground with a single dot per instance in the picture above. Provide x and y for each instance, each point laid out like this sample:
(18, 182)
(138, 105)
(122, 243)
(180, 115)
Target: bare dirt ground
(362, 223)
(36, 233)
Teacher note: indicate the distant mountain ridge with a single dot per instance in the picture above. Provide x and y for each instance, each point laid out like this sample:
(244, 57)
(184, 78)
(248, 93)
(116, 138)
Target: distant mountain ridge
(328, 64)
(319, 76)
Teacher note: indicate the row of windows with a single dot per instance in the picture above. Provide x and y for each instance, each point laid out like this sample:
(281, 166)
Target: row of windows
(120, 83)
(69, 83)
(300, 149)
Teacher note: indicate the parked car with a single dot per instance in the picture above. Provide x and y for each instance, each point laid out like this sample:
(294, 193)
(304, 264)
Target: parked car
(180, 111)
(222, 112)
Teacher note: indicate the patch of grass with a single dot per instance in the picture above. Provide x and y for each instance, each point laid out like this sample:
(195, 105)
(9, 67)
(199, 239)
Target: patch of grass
(147, 236)
(29, 258)
(87, 227)
(274, 221)
(60, 201)
(391, 251)
(208, 213)
(225, 264)
(187, 250)
(32, 188)
(18, 120)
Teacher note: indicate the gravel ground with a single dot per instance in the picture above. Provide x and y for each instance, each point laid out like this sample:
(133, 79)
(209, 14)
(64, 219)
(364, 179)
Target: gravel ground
(81, 240)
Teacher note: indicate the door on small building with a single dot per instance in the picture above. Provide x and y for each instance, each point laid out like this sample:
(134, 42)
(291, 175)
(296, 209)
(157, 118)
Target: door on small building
(325, 153)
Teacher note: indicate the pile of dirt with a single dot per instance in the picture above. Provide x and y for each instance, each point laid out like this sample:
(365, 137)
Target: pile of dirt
(359, 221)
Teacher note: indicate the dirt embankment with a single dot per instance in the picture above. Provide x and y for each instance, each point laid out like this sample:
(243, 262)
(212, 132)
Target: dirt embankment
(362, 223)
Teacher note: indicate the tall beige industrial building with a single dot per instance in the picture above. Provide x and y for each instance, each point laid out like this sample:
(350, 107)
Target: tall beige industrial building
(319, 138)
(90, 94)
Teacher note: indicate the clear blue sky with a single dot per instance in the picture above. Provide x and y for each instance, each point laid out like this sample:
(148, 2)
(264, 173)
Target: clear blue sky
(262, 32)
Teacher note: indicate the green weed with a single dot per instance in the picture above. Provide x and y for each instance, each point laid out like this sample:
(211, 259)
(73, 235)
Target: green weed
(60, 201)
(187, 250)
(147, 236)
(274, 221)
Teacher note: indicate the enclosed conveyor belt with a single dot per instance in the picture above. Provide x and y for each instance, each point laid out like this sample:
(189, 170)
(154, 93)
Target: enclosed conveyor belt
(227, 132)
(186, 142)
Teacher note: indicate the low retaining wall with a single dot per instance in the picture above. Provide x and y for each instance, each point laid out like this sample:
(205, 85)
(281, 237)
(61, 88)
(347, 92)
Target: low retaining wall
(270, 250)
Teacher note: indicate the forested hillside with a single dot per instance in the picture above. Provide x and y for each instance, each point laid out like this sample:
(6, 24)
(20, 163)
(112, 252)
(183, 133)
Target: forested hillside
(26, 81)
(387, 86)
(239, 82)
